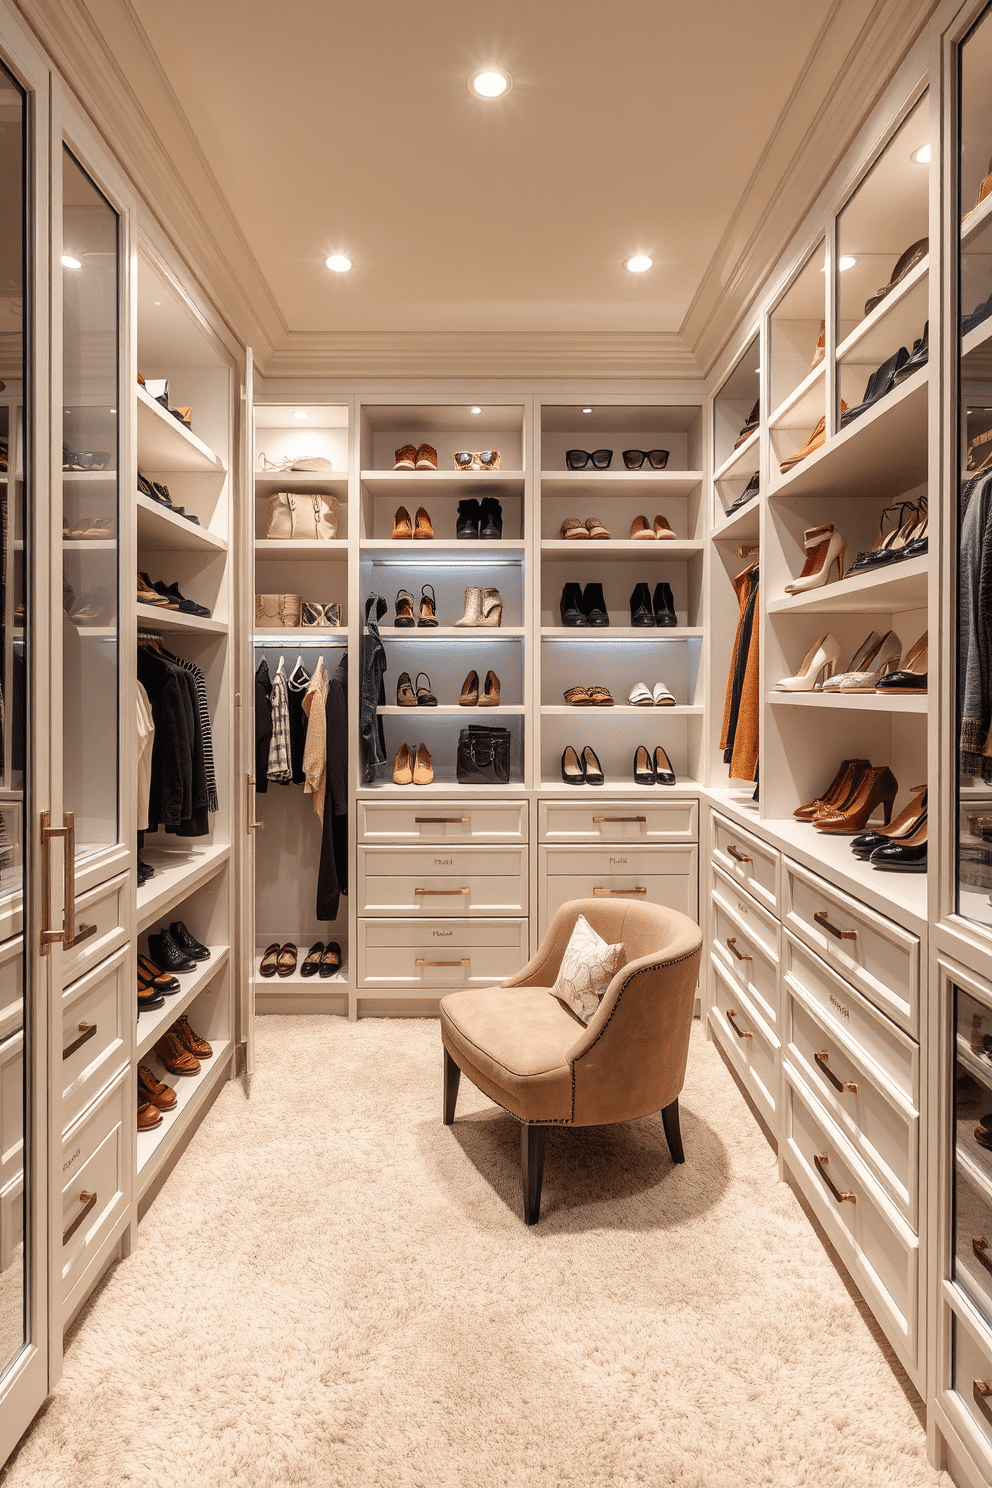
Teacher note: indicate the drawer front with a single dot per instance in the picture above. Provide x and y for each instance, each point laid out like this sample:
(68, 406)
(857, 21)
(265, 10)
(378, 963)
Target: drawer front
(873, 953)
(106, 908)
(870, 1036)
(95, 1186)
(466, 882)
(973, 1232)
(745, 959)
(12, 1078)
(11, 985)
(875, 1243)
(619, 821)
(671, 880)
(881, 1127)
(751, 1046)
(972, 1380)
(96, 1019)
(393, 824)
(761, 925)
(747, 860)
(442, 954)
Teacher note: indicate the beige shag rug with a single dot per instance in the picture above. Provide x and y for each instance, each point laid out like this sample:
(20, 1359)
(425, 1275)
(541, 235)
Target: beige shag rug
(335, 1291)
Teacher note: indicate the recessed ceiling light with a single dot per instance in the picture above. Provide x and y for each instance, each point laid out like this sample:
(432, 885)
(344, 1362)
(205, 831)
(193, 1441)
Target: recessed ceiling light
(68, 262)
(476, 410)
(922, 155)
(300, 413)
(156, 302)
(638, 263)
(845, 262)
(587, 410)
(490, 82)
(338, 263)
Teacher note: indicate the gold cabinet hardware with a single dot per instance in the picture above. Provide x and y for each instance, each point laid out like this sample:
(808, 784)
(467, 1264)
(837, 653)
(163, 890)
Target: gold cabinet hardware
(740, 1032)
(605, 893)
(737, 855)
(980, 1247)
(70, 935)
(821, 919)
(250, 822)
(844, 1086)
(88, 1200)
(619, 818)
(821, 1159)
(86, 1032)
(732, 944)
(442, 891)
(437, 821)
(465, 961)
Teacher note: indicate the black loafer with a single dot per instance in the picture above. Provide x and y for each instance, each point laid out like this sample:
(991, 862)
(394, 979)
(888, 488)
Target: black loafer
(311, 964)
(330, 962)
(570, 605)
(165, 953)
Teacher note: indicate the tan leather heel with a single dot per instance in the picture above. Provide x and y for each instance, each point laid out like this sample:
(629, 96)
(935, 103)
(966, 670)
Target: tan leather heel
(403, 768)
(402, 526)
(490, 697)
(423, 529)
(423, 767)
(878, 787)
(469, 695)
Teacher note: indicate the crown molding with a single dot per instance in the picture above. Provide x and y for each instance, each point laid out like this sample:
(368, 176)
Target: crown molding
(849, 67)
(637, 354)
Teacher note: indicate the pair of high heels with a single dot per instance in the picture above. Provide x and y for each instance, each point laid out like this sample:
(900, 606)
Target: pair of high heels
(901, 847)
(413, 766)
(855, 792)
(404, 608)
(412, 695)
(824, 547)
(421, 526)
(656, 770)
(907, 539)
(471, 696)
(581, 769)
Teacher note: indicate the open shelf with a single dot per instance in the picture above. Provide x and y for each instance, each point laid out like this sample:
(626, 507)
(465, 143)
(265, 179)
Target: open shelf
(403, 548)
(621, 788)
(327, 482)
(309, 635)
(152, 617)
(299, 547)
(164, 444)
(621, 482)
(451, 632)
(443, 787)
(297, 983)
(80, 544)
(976, 1065)
(152, 1024)
(163, 531)
(897, 586)
(624, 549)
(880, 334)
(153, 1147)
(743, 526)
(621, 632)
(562, 710)
(743, 461)
(475, 714)
(804, 406)
(405, 485)
(177, 873)
(872, 702)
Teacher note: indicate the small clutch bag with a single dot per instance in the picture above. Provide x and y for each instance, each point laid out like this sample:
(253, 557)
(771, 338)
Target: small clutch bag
(321, 615)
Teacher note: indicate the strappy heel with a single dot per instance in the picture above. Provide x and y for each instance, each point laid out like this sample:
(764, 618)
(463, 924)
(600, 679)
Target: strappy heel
(404, 609)
(428, 606)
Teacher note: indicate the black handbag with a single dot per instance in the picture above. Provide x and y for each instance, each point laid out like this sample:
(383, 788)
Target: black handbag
(483, 756)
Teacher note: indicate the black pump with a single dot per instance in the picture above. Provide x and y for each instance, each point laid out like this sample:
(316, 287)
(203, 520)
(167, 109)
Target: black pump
(468, 519)
(593, 770)
(643, 768)
(570, 605)
(641, 612)
(594, 605)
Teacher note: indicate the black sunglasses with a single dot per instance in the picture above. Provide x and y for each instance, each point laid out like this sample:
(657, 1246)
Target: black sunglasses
(579, 459)
(634, 459)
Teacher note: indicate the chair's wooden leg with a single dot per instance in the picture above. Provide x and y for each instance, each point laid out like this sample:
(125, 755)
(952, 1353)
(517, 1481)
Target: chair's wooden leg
(531, 1170)
(670, 1116)
(452, 1074)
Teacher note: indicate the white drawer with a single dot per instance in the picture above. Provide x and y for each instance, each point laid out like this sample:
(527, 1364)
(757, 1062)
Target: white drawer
(875, 1243)
(11, 985)
(95, 1186)
(442, 954)
(463, 881)
(97, 1014)
(972, 1380)
(973, 1239)
(105, 907)
(750, 1044)
(871, 952)
(740, 943)
(619, 821)
(881, 1126)
(392, 823)
(748, 860)
(12, 1076)
(658, 875)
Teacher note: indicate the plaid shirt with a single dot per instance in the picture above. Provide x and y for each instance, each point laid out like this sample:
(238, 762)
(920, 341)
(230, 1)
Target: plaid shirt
(280, 762)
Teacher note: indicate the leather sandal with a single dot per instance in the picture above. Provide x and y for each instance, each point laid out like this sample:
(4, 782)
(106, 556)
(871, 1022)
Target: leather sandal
(428, 606)
(601, 697)
(404, 610)
(640, 696)
(330, 962)
(577, 697)
(425, 697)
(270, 960)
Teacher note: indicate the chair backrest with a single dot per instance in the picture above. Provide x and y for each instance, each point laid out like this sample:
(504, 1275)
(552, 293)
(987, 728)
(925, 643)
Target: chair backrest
(631, 1059)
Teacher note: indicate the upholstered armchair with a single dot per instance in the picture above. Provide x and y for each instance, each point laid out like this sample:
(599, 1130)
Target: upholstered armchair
(530, 1054)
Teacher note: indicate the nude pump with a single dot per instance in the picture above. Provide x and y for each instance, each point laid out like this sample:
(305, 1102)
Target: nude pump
(824, 547)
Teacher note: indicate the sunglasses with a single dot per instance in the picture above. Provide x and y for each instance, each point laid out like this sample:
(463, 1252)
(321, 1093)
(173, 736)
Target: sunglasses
(634, 459)
(579, 459)
(477, 460)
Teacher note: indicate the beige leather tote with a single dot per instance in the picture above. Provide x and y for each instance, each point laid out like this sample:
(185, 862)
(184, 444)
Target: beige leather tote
(299, 514)
(274, 611)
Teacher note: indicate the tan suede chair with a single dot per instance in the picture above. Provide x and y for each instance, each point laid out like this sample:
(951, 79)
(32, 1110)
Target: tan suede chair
(530, 1054)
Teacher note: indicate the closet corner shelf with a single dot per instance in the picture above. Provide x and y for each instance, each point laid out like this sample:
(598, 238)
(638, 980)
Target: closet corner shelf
(867, 702)
(398, 550)
(453, 710)
(898, 320)
(743, 526)
(302, 547)
(327, 482)
(804, 405)
(652, 714)
(976, 219)
(164, 444)
(151, 1025)
(451, 633)
(596, 634)
(95, 632)
(899, 586)
(177, 873)
(170, 622)
(623, 550)
(655, 483)
(154, 1147)
(410, 485)
(163, 531)
(883, 453)
(742, 462)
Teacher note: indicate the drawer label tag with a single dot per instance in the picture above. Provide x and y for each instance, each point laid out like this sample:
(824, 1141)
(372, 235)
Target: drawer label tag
(69, 1161)
(441, 934)
(443, 862)
(618, 860)
(844, 1012)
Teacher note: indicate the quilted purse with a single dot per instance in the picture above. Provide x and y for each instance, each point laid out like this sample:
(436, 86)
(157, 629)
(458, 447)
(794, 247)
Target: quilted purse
(299, 514)
(320, 615)
(274, 611)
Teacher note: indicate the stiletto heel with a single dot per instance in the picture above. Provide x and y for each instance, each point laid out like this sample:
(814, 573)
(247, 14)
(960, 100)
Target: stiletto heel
(473, 607)
(492, 608)
(572, 771)
(404, 609)
(489, 698)
(469, 695)
(643, 768)
(402, 526)
(877, 787)
(592, 769)
(664, 774)
(424, 528)
(887, 810)
(824, 547)
(885, 660)
(819, 665)
(428, 606)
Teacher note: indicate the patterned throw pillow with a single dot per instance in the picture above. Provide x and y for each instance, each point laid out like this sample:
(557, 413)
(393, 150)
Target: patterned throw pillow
(587, 968)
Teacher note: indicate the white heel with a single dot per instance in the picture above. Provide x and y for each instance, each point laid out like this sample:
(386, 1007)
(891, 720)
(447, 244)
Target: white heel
(819, 665)
(824, 547)
(886, 659)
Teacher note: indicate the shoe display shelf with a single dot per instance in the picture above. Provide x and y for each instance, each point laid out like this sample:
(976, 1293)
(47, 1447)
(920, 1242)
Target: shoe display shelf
(737, 445)
(164, 444)
(160, 529)
(153, 1022)
(296, 993)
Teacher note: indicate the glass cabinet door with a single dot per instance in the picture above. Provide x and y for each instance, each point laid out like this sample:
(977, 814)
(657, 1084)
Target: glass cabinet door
(90, 497)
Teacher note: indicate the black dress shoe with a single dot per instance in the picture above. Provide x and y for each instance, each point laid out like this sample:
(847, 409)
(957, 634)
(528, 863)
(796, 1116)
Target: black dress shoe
(162, 981)
(185, 606)
(748, 494)
(570, 605)
(592, 769)
(643, 768)
(467, 521)
(311, 962)
(902, 682)
(490, 518)
(664, 605)
(663, 772)
(975, 317)
(330, 962)
(188, 942)
(594, 605)
(164, 951)
(572, 769)
(880, 384)
(641, 611)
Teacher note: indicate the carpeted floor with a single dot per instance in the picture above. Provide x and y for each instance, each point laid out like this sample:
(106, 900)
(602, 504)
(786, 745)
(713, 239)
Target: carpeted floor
(335, 1291)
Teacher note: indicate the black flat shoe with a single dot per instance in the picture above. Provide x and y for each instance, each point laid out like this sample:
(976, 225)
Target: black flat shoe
(311, 962)
(594, 605)
(570, 605)
(664, 774)
(591, 766)
(643, 768)
(641, 612)
(330, 963)
(572, 771)
(188, 942)
(425, 697)
(664, 605)
(468, 519)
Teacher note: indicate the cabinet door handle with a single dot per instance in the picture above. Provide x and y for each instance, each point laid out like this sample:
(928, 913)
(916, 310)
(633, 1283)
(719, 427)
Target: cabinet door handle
(821, 1159)
(605, 893)
(983, 1389)
(69, 935)
(821, 919)
(440, 820)
(738, 856)
(847, 1086)
(442, 891)
(250, 822)
(465, 961)
(740, 1032)
(619, 818)
(980, 1247)
(732, 944)
(86, 1032)
(88, 1200)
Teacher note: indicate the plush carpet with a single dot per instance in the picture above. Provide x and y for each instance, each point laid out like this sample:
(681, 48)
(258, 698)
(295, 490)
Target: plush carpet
(335, 1291)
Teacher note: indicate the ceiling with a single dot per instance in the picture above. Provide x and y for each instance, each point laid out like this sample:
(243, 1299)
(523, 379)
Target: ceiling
(350, 129)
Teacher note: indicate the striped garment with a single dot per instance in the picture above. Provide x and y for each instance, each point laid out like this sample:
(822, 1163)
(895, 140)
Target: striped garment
(280, 760)
(199, 682)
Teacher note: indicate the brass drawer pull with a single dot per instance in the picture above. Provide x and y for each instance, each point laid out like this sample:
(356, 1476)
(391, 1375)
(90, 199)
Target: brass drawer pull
(738, 856)
(465, 961)
(438, 820)
(732, 946)
(841, 1085)
(442, 891)
(983, 1389)
(821, 1159)
(251, 824)
(619, 818)
(740, 1032)
(87, 1200)
(86, 1032)
(605, 893)
(980, 1247)
(821, 919)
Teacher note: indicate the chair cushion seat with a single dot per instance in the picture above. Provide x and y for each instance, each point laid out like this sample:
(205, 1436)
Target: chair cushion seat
(513, 1043)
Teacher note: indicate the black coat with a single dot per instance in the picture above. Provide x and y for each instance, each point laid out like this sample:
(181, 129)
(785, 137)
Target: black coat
(332, 876)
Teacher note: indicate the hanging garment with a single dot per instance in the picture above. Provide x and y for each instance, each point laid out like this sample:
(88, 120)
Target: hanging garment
(206, 730)
(146, 741)
(332, 875)
(178, 792)
(280, 767)
(739, 738)
(263, 724)
(373, 692)
(975, 627)
(299, 681)
(315, 749)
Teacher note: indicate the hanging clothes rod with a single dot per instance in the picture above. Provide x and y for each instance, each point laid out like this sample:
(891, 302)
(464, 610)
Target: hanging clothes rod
(289, 641)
